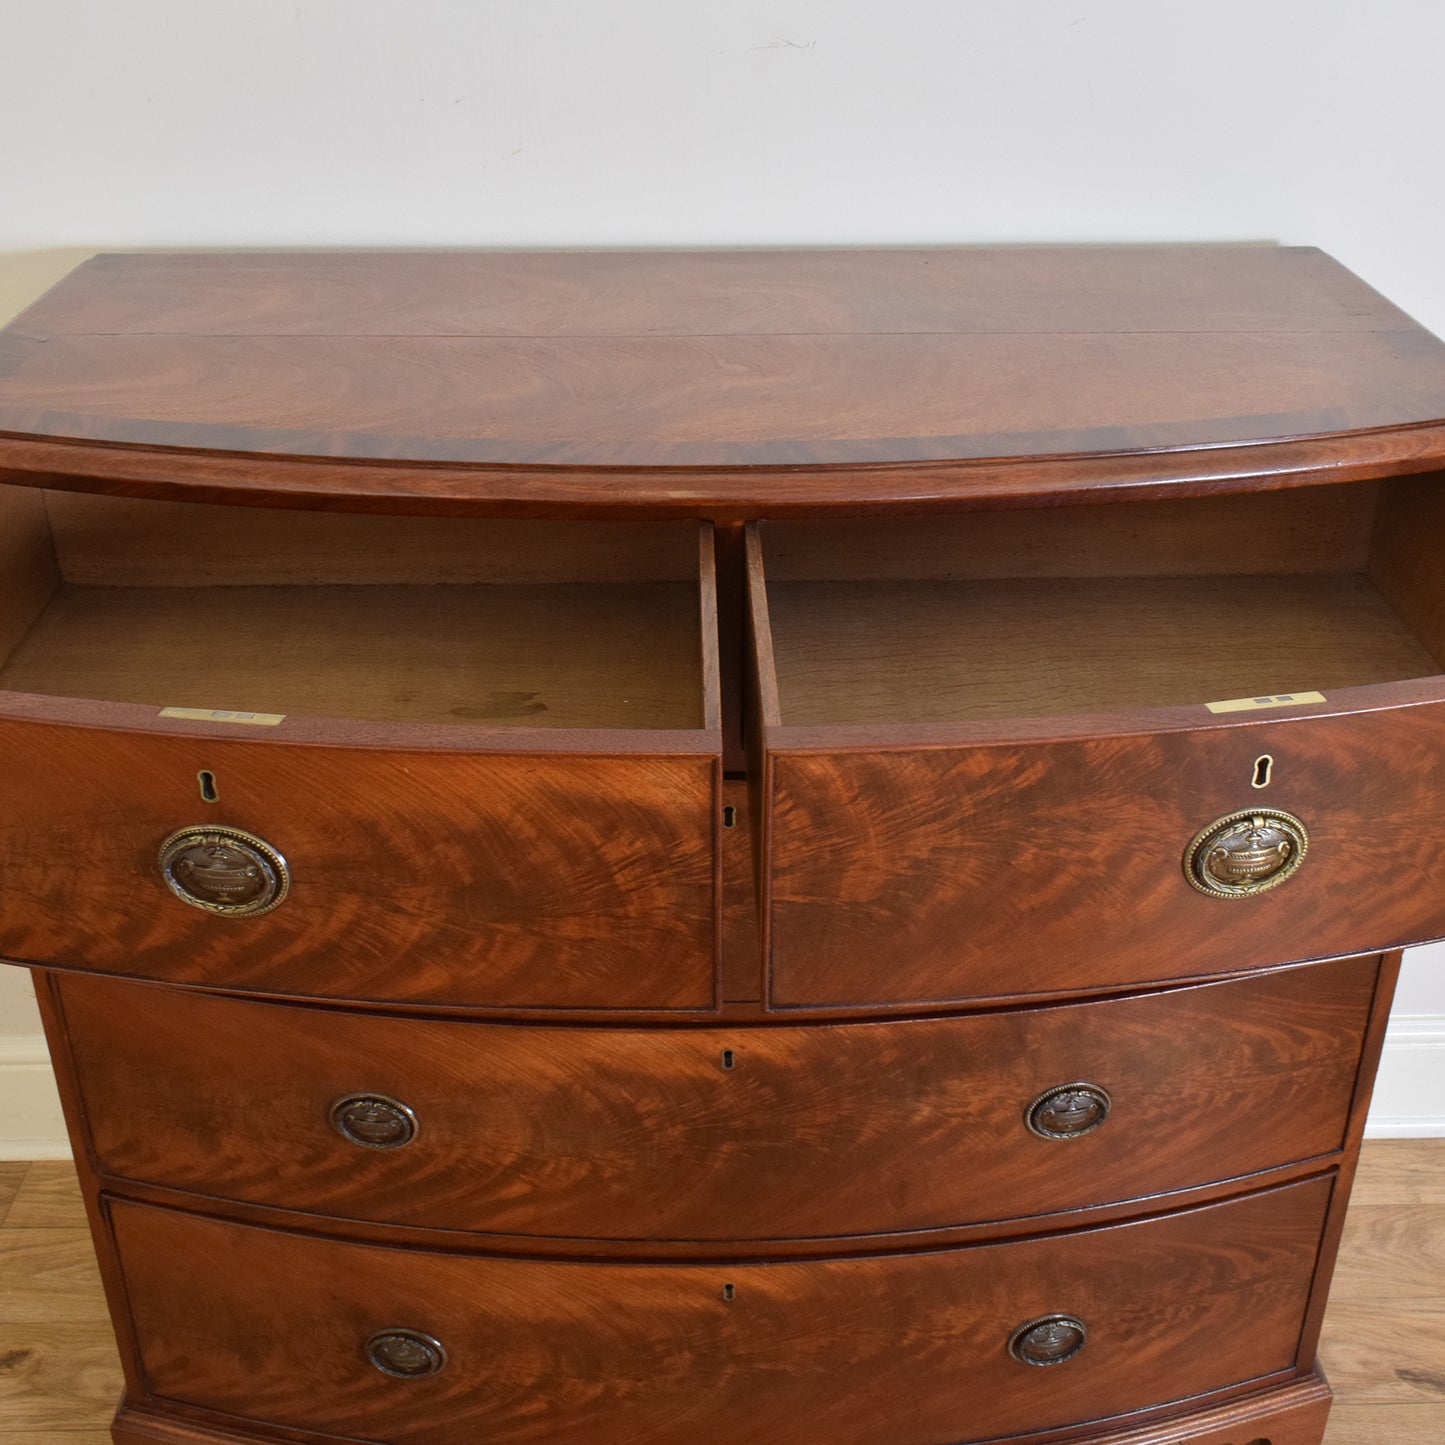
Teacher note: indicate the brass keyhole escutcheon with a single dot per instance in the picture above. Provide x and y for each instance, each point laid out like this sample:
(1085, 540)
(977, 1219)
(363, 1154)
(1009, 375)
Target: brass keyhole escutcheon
(1246, 853)
(224, 871)
(405, 1354)
(1048, 1341)
(375, 1121)
(1069, 1111)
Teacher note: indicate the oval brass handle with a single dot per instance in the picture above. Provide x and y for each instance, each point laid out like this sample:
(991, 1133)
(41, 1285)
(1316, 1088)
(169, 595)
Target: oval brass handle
(1069, 1111)
(375, 1121)
(1245, 853)
(405, 1354)
(224, 871)
(1049, 1340)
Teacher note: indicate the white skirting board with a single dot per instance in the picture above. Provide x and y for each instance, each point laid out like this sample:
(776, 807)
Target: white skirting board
(31, 1125)
(1409, 1097)
(1409, 1100)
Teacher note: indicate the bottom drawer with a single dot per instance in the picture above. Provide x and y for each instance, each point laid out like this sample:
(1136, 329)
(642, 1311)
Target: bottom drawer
(409, 1346)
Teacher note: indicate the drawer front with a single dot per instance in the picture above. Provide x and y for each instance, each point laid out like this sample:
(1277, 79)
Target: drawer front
(277, 1327)
(717, 1134)
(951, 873)
(489, 878)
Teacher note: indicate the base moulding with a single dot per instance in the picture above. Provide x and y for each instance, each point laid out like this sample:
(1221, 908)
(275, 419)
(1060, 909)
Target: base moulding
(1293, 1414)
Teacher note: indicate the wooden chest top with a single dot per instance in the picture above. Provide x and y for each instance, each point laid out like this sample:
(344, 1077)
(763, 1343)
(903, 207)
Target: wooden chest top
(724, 384)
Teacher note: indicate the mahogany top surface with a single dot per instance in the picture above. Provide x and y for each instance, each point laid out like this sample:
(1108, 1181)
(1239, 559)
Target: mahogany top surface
(743, 382)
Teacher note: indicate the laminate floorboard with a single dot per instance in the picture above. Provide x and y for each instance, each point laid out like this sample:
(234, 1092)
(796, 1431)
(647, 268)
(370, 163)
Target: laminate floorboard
(1383, 1347)
(11, 1177)
(46, 1198)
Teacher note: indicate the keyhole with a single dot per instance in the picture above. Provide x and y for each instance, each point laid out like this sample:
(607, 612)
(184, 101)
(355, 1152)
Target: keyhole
(207, 780)
(730, 816)
(729, 1292)
(1263, 770)
(728, 1060)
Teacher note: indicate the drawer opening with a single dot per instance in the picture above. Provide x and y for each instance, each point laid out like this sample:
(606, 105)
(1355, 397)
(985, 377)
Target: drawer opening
(994, 615)
(423, 620)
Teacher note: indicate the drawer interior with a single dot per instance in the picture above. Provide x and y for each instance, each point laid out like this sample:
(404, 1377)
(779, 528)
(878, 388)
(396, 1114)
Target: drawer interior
(503, 623)
(1022, 613)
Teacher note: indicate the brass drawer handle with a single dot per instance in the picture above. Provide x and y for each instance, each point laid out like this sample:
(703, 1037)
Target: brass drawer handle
(375, 1121)
(1069, 1111)
(1049, 1340)
(224, 871)
(1246, 853)
(405, 1354)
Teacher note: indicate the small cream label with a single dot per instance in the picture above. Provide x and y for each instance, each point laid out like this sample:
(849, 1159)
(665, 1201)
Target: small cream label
(1255, 704)
(219, 714)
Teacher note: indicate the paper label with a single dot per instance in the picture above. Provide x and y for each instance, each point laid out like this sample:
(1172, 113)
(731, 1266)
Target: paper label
(217, 714)
(1255, 704)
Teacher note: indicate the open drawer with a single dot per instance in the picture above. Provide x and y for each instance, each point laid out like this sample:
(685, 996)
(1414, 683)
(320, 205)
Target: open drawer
(1039, 752)
(424, 761)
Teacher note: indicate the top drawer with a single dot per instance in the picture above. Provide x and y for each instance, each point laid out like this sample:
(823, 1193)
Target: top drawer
(995, 763)
(484, 771)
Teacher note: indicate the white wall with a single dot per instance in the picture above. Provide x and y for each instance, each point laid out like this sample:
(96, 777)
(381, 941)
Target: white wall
(574, 122)
(135, 123)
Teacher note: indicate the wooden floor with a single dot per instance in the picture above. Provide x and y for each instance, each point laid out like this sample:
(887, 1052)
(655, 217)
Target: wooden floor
(1384, 1346)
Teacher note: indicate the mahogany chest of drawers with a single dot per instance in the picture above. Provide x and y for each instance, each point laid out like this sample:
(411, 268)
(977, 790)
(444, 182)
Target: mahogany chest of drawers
(761, 847)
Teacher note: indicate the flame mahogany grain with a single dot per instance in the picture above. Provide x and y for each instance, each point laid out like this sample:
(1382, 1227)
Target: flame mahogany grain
(786, 1138)
(939, 873)
(270, 1326)
(499, 879)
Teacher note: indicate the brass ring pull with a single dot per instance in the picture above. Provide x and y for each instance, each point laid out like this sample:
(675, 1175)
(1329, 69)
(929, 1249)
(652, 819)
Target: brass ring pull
(1049, 1340)
(375, 1121)
(1069, 1111)
(405, 1354)
(1246, 853)
(224, 871)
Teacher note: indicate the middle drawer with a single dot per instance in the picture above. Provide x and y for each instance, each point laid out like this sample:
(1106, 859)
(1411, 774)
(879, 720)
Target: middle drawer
(717, 1133)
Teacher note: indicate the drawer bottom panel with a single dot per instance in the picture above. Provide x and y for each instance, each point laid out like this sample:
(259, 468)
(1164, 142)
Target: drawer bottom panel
(914, 1349)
